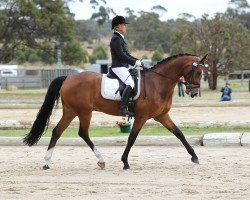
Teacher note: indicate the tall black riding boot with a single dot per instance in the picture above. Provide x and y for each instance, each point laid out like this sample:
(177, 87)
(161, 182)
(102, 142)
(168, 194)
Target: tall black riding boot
(124, 101)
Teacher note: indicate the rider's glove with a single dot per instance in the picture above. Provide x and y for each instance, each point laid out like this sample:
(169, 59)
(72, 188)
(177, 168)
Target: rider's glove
(138, 65)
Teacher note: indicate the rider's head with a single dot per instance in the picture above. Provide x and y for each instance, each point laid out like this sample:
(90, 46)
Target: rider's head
(118, 23)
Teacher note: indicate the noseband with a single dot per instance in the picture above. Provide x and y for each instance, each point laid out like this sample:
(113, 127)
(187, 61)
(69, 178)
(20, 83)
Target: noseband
(190, 76)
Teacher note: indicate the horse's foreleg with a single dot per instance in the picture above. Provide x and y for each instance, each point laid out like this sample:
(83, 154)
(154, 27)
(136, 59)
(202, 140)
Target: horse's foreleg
(166, 121)
(56, 134)
(84, 134)
(131, 140)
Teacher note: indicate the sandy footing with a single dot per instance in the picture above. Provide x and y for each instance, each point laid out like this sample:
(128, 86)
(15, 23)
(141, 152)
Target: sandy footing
(156, 173)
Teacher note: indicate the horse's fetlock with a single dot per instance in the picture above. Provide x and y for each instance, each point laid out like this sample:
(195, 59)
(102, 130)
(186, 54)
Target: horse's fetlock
(124, 160)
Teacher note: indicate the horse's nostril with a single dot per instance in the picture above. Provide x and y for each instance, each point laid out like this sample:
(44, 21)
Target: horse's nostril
(194, 95)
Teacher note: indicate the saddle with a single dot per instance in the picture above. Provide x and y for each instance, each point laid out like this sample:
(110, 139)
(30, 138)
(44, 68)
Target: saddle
(112, 87)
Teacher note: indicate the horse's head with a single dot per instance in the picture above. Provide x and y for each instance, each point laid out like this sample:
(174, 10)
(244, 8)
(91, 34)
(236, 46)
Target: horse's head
(193, 77)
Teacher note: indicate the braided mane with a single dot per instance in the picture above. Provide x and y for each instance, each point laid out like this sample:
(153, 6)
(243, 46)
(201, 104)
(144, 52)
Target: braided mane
(171, 58)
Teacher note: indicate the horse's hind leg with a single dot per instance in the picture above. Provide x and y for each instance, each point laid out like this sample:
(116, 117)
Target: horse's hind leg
(64, 122)
(166, 121)
(84, 134)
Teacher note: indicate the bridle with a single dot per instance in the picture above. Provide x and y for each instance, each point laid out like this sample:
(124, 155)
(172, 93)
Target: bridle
(190, 76)
(189, 84)
(190, 73)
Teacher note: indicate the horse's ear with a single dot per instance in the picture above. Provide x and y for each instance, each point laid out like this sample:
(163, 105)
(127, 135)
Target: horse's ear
(204, 59)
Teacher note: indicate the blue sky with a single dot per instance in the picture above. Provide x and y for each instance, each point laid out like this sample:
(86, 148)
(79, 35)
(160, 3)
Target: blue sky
(174, 7)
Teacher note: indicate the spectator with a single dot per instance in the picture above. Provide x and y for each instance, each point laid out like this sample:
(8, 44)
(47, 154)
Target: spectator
(226, 93)
(180, 87)
(199, 91)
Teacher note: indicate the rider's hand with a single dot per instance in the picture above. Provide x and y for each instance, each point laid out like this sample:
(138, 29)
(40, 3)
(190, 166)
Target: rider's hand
(138, 65)
(142, 64)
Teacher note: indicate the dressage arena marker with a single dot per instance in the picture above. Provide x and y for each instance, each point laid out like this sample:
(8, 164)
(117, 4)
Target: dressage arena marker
(226, 139)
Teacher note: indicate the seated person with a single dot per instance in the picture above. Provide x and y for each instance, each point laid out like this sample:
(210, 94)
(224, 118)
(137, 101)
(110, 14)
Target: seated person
(226, 93)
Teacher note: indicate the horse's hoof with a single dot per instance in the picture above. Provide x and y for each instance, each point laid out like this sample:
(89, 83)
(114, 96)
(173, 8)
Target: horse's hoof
(195, 160)
(45, 167)
(101, 165)
(126, 167)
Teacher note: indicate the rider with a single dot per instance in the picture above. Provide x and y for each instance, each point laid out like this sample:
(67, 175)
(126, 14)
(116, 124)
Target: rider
(121, 60)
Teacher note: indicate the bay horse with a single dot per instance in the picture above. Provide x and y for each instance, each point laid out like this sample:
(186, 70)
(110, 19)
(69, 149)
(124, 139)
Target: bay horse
(81, 94)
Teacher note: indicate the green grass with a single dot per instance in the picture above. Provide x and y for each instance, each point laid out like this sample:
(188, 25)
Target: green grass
(110, 132)
(23, 94)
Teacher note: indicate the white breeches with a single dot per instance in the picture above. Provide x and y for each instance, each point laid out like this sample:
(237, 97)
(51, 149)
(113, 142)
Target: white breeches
(124, 75)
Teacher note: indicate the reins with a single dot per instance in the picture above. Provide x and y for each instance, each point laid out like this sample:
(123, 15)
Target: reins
(148, 69)
(144, 78)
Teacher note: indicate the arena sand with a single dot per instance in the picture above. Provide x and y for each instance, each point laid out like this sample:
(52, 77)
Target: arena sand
(156, 173)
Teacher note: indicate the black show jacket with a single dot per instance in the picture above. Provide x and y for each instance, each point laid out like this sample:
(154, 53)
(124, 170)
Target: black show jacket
(119, 53)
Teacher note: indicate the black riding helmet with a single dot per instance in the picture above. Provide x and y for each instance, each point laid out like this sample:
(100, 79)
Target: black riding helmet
(118, 20)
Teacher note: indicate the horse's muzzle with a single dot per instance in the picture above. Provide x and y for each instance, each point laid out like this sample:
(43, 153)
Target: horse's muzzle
(191, 91)
(193, 95)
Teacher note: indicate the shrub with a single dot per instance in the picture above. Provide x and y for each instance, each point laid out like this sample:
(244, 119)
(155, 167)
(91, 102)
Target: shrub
(100, 52)
(33, 57)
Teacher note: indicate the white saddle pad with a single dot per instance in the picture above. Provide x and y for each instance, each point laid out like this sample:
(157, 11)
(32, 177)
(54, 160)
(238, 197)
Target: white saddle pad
(109, 87)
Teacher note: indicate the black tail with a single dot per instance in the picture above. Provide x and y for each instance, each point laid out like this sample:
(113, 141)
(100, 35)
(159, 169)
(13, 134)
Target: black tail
(43, 116)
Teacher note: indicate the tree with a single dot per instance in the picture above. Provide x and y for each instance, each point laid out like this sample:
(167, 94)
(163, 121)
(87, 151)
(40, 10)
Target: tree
(221, 38)
(102, 16)
(186, 16)
(47, 54)
(100, 52)
(158, 54)
(182, 30)
(73, 54)
(20, 56)
(130, 13)
(33, 57)
(159, 10)
(86, 30)
(147, 32)
(32, 24)
(239, 9)
(24, 54)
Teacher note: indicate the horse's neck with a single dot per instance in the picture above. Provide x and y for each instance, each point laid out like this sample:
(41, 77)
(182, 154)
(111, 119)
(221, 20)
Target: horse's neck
(171, 70)
(160, 80)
